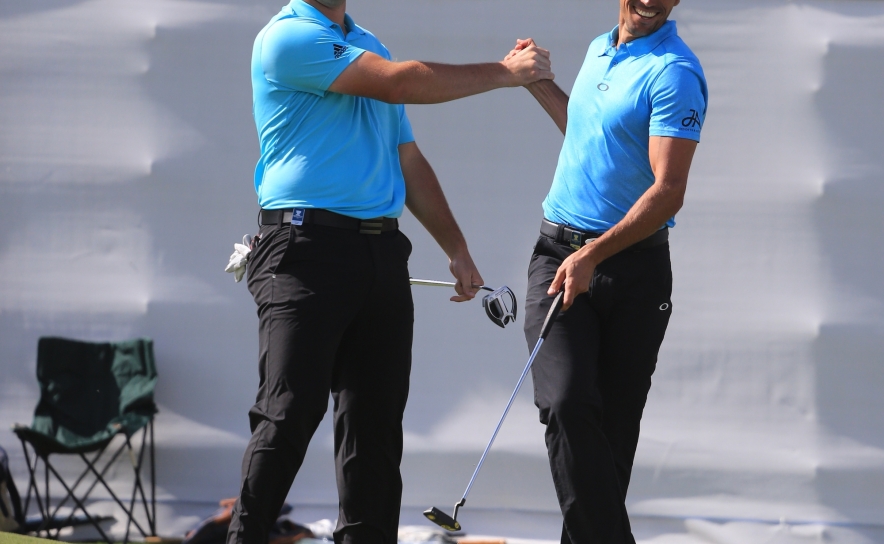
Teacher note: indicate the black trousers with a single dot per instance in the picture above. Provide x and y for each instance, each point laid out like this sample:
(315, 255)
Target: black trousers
(591, 381)
(335, 316)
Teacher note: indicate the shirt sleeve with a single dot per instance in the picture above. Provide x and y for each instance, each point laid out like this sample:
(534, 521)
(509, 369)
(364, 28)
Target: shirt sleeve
(405, 133)
(678, 102)
(303, 55)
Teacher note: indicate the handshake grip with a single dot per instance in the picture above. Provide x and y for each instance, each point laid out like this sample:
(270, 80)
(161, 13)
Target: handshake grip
(528, 63)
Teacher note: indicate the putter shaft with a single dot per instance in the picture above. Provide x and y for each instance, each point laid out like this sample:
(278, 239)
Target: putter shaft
(500, 422)
(436, 283)
(544, 331)
(450, 523)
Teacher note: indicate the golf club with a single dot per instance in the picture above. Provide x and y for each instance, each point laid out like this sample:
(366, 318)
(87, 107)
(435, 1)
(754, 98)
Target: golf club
(450, 523)
(500, 305)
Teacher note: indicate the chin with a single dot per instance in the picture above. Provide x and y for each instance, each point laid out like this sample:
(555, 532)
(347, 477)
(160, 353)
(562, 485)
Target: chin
(642, 29)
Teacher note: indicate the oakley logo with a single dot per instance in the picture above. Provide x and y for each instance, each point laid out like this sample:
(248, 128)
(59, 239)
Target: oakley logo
(340, 50)
(664, 307)
(603, 87)
(692, 121)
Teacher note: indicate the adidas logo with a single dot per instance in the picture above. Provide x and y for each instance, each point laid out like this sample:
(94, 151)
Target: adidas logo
(340, 50)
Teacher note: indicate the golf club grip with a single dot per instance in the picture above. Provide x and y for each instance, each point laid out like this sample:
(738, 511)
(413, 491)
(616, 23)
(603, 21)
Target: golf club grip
(552, 314)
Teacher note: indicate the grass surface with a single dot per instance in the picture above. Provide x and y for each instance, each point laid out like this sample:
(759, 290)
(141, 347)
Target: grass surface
(9, 538)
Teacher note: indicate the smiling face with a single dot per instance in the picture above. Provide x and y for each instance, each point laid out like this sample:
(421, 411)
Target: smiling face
(639, 18)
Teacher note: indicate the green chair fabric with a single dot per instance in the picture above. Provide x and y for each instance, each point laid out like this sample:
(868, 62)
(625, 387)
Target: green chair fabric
(89, 392)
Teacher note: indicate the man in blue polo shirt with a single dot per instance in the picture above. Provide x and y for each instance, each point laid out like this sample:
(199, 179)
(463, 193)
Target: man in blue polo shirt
(329, 273)
(631, 127)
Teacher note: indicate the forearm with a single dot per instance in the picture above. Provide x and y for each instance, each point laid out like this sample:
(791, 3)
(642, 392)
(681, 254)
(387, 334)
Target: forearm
(553, 99)
(426, 201)
(413, 82)
(417, 82)
(647, 216)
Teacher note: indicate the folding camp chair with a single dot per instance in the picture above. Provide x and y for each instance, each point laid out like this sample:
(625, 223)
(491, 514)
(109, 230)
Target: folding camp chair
(91, 393)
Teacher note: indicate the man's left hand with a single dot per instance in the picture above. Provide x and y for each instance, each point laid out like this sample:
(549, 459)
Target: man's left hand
(574, 275)
(520, 45)
(467, 275)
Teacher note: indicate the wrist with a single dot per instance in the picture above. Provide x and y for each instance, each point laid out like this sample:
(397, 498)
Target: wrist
(508, 77)
(457, 250)
(588, 256)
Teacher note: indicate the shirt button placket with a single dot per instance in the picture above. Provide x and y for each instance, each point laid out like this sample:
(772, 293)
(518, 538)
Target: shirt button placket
(618, 57)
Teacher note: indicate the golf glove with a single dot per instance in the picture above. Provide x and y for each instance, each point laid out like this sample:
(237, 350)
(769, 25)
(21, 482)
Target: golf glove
(240, 258)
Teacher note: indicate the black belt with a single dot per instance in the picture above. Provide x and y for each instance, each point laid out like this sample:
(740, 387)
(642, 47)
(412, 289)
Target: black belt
(325, 218)
(567, 236)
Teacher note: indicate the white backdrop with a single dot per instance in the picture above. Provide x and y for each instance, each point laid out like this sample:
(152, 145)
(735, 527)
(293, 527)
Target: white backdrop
(126, 156)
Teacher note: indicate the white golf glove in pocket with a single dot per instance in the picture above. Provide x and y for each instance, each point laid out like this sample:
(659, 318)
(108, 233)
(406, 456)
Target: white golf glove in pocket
(240, 258)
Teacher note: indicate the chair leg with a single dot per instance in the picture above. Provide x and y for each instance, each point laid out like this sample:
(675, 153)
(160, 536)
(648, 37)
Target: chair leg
(153, 484)
(80, 505)
(77, 484)
(149, 509)
(100, 479)
(53, 530)
(135, 486)
(48, 511)
(46, 498)
(138, 486)
(32, 484)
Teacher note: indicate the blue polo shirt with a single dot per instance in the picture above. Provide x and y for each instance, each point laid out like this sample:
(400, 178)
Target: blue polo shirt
(652, 86)
(321, 149)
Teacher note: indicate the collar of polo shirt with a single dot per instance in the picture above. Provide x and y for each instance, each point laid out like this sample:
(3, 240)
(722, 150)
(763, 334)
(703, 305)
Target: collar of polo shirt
(641, 46)
(299, 7)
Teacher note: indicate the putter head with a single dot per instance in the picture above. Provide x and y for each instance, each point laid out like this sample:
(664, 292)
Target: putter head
(442, 519)
(500, 305)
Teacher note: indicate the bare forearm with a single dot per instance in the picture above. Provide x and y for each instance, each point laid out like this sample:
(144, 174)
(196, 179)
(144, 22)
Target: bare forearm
(553, 99)
(413, 82)
(425, 199)
(670, 160)
(647, 215)
(432, 83)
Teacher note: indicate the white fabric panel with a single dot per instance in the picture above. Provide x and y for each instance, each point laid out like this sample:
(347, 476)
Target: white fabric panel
(126, 156)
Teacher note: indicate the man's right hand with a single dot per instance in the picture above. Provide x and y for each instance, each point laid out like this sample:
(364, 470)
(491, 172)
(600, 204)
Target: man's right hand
(547, 93)
(528, 63)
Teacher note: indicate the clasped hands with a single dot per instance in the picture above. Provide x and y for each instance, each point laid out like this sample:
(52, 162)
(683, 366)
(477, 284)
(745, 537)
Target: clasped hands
(528, 63)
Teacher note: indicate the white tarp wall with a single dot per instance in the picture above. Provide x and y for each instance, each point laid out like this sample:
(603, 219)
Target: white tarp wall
(126, 156)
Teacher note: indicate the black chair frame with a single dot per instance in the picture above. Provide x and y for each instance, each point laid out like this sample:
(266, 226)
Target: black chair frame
(49, 526)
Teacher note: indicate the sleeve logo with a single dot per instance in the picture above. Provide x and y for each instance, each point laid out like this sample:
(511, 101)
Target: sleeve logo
(691, 121)
(340, 50)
